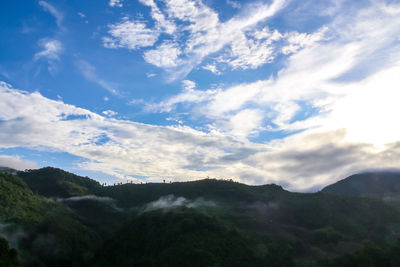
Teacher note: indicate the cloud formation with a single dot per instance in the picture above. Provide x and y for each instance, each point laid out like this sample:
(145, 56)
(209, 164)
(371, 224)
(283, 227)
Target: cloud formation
(87, 197)
(200, 33)
(314, 89)
(15, 162)
(171, 202)
(53, 11)
(130, 34)
(51, 50)
(89, 72)
(129, 150)
(115, 3)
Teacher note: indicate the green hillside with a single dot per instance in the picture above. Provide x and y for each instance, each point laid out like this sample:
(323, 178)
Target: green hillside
(56, 218)
(182, 237)
(53, 182)
(377, 184)
(8, 256)
(49, 233)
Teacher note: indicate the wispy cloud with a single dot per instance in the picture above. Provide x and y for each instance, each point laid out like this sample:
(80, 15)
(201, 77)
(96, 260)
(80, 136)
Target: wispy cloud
(51, 50)
(212, 68)
(53, 11)
(171, 202)
(206, 35)
(87, 197)
(234, 4)
(89, 72)
(319, 78)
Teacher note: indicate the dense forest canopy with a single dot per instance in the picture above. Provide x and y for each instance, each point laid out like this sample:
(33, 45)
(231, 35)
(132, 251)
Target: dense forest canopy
(50, 217)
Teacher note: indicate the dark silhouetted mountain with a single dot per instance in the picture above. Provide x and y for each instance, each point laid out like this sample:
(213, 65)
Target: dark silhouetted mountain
(373, 184)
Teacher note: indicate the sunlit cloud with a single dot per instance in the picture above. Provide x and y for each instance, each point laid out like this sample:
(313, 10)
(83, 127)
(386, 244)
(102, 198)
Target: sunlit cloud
(129, 150)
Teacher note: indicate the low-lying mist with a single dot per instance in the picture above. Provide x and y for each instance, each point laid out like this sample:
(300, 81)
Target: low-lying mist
(170, 202)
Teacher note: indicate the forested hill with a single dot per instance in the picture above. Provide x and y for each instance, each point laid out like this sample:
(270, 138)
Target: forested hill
(374, 184)
(49, 217)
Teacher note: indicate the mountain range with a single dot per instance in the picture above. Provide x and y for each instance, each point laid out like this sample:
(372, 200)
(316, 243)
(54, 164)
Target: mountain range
(50, 217)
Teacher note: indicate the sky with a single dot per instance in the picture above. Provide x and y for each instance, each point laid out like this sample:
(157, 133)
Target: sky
(296, 93)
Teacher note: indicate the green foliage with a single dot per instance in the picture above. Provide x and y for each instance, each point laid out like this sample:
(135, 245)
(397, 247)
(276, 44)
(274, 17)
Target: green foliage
(356, 217)
(375, 184)
(370, 255)
(327, 235)
(53, 233)
(53, 182)
(129, 195)
(247, 226)
(184, 237)
(19, 204)
(8, 257)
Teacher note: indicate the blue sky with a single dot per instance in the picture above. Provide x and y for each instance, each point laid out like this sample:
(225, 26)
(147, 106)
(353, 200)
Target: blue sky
(298, 93)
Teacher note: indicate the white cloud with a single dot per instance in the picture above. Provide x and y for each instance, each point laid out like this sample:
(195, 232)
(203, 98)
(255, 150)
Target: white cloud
(202, 32)
(150, 75)
(89, 72)
(316, 78)
(115, 3)
(300, 40)
(250, 53)
(127, 149)
(53, 11)
(165, 56)
(188, 95)
(170, 202)
(245, 122)
(15, 162)
(50, 49)
(109, 113)
(162, 23)
(188, 85)
(130, 34)
(352, 125)
(212, 68)
(234, 4)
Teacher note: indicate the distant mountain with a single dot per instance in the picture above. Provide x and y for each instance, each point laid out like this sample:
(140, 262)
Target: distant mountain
(381, 185)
